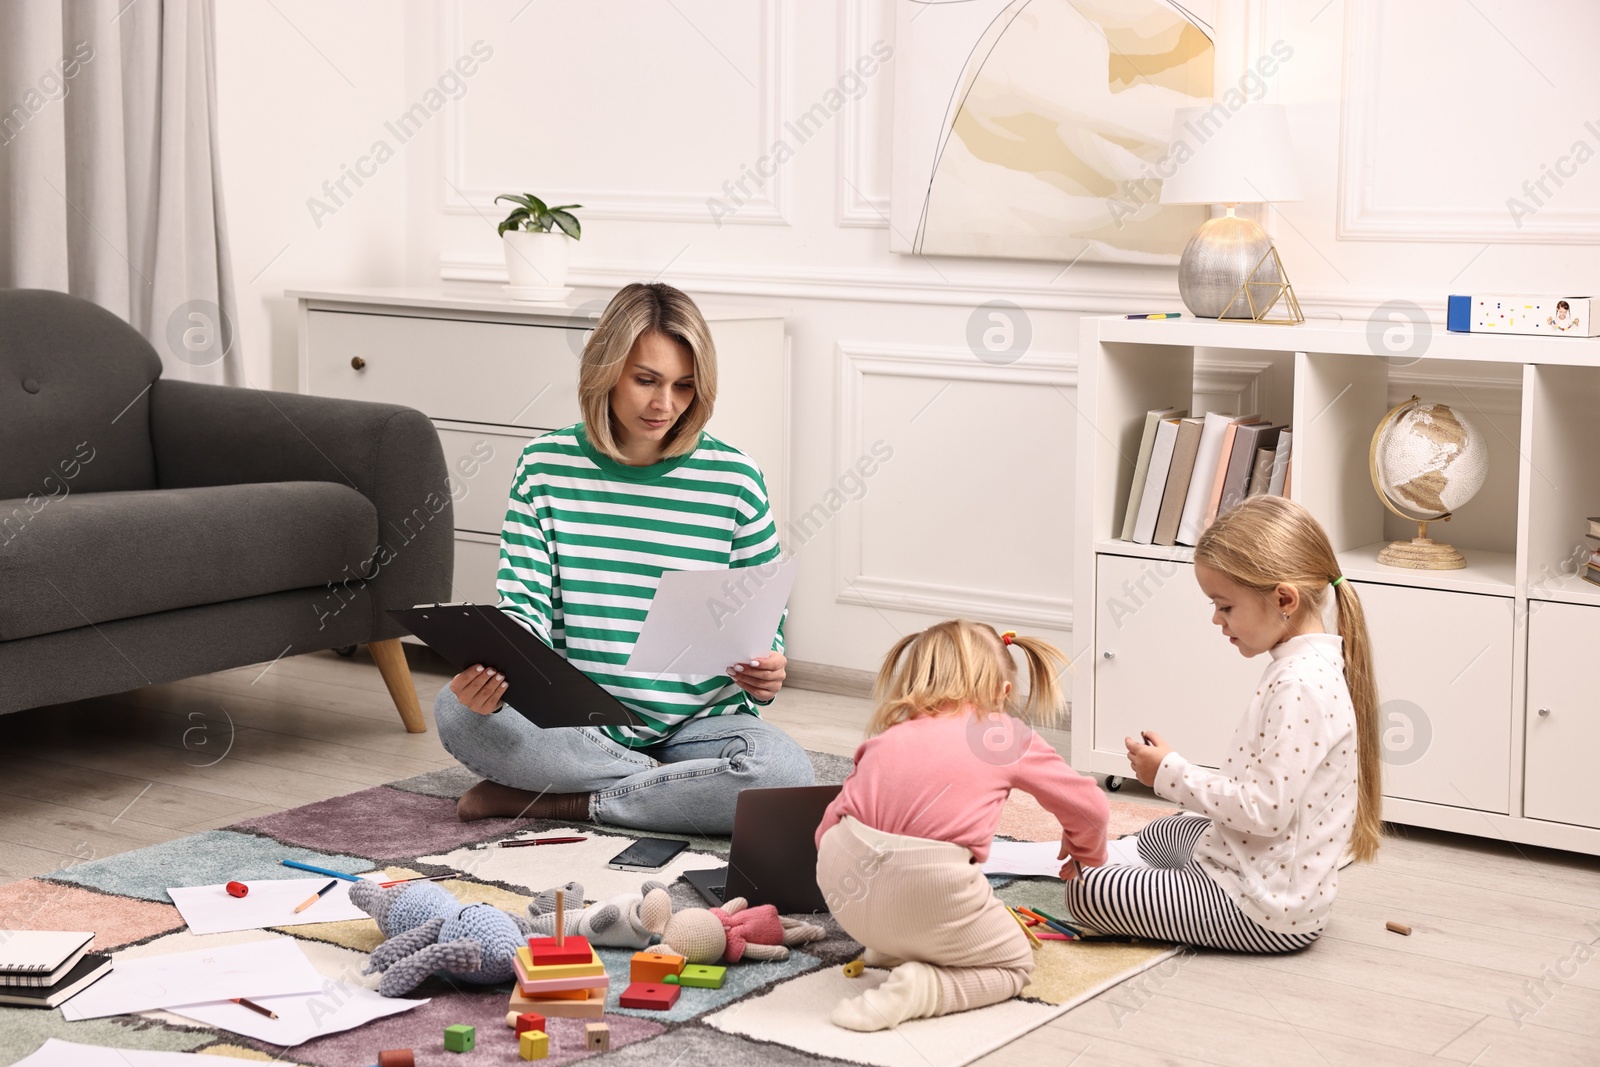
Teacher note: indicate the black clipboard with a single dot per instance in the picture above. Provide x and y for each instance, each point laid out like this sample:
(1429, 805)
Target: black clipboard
(541, 686)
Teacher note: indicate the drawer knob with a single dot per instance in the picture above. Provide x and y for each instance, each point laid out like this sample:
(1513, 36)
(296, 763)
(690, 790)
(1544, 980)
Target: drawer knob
(1544, 713)
(1109, 655)
(357, 362)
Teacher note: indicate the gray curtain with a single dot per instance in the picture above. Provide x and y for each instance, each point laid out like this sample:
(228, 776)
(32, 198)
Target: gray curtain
(109, 172)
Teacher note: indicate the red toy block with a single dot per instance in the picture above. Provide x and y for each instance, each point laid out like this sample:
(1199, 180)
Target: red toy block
(397, 1057)
(530, 1020)
(237, 889)
(546, 953)
(650, 995)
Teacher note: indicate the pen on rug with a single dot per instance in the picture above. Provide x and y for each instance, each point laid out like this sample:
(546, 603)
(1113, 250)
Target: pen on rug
(419, 878)
(524, 842)
(315, 897)
(253, 1006)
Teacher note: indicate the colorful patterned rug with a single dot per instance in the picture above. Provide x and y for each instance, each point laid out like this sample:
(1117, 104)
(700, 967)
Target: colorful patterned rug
(767, 1012)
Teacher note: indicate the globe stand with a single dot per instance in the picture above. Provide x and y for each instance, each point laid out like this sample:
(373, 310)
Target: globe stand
(1421, 553)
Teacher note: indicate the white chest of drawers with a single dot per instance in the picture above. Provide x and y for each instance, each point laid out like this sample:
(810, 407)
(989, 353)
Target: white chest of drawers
(493, 373)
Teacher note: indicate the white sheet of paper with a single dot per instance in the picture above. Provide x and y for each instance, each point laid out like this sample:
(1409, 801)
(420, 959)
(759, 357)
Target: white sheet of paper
(58, 1053)
(1027, 859)
(703, 622)
(256, 969)
(300, 1018)
(208, 909)
(1125, 850)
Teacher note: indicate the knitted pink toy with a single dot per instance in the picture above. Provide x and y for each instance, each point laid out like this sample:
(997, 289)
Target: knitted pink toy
(733, 932)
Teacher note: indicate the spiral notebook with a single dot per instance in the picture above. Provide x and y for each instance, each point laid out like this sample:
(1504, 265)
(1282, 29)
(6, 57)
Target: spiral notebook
(39, 957)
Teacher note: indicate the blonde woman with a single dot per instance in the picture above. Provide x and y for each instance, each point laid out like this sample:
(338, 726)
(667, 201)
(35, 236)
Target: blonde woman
(598, 512)
(899, 850)
(1258, 869)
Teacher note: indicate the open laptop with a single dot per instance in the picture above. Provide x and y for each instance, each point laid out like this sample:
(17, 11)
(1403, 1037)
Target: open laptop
(773, 858)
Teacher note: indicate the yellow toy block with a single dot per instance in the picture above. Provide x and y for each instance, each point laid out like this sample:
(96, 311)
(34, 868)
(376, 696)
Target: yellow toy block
(533, 1044)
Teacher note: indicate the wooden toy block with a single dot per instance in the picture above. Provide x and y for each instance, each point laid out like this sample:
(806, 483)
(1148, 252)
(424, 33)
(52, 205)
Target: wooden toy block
(592, 1008)
(650, 995)
(533, 1044)
(597, 1037)
(525, 1020)
(527, 971)
(397, 1057)
(854, 968)
(549, 952)
(460, 1037)
(702, 976)
(653, 966)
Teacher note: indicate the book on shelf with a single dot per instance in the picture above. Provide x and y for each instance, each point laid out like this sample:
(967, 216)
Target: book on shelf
(1594, 525)
(1261, 472)
(1225, 470)
(1280, 464)
(1141, 468)
(1156, 480)
(1247, 438)
(1591, 573)
(1178, 478)
(39, 958)
(1206, 462)
(89, 969)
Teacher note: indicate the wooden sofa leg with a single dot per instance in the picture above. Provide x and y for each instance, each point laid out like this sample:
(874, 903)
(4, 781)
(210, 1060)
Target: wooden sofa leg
(391, 661)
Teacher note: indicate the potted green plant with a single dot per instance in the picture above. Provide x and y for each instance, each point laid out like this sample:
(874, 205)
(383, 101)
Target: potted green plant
(536, 241)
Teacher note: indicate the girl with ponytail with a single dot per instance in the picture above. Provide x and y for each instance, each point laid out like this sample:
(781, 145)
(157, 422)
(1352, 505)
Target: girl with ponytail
(1252, 863)
(899, 850)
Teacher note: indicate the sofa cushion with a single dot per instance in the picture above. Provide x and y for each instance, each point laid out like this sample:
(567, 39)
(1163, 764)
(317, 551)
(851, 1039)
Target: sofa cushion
(84, 558)
(74, 397)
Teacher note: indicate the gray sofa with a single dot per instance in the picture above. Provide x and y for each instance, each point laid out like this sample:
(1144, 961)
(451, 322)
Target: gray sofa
(152, 529)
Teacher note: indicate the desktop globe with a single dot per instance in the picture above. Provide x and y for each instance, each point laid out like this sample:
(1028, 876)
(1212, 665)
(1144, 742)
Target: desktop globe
(1426, 461)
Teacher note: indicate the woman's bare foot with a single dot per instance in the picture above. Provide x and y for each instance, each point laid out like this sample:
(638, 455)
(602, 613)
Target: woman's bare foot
(491, 800)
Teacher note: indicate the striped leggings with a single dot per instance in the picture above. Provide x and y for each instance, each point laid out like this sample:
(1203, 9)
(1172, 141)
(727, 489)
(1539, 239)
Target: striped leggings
(1172, 899)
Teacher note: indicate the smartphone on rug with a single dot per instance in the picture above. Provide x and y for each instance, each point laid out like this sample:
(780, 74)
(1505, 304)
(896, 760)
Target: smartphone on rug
(647, 854)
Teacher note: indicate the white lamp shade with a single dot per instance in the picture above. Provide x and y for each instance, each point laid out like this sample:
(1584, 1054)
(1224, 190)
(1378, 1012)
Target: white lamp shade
(1238, 157)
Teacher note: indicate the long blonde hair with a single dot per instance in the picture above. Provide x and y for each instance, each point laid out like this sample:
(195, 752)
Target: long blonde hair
(957, 662)
(637, 309)
(1269, 541)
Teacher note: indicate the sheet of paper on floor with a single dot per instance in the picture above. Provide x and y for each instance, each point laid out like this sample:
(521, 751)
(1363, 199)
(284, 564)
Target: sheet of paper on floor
(1026, 859)
(1125, 851)
(300, 1018)
(257, 969)
(208, 909)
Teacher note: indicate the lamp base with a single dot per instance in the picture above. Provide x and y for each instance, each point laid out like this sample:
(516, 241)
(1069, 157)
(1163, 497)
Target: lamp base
(1216, 262)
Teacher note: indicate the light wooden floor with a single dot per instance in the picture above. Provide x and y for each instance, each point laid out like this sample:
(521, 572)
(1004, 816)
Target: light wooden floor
(1499, 970)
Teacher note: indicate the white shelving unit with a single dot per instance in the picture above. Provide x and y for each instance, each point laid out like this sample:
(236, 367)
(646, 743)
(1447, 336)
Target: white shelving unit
(1487, 708)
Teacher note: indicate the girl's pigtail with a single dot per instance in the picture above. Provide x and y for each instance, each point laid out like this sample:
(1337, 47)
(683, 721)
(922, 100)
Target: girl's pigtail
(1359, 677)
(1045, 664)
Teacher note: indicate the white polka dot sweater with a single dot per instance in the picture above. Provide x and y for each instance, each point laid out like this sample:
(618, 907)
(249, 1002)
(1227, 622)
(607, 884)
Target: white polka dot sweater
(1283, 803)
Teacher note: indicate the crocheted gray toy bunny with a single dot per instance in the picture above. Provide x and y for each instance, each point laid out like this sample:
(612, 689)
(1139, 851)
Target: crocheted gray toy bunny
(625, 921)
(429, 930)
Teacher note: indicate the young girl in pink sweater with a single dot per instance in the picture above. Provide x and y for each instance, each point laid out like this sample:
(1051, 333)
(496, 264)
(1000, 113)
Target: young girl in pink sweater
(898, 852)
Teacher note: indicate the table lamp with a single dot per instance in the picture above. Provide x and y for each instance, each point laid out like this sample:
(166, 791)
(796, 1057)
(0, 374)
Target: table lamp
(1223, 157)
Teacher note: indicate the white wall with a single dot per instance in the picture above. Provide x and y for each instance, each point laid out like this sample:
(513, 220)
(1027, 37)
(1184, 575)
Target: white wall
(1415, 122)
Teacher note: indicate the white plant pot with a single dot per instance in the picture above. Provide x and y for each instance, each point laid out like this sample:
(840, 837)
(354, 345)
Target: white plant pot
(536, 260)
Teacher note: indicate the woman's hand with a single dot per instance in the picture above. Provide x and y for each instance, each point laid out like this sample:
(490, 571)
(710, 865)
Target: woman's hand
(761, 678)
(479, 688)
(1145, 754)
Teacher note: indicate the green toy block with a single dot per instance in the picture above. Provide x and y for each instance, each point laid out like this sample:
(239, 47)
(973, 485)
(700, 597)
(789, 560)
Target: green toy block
(460, 1037)
(669, 979)
(701, 976)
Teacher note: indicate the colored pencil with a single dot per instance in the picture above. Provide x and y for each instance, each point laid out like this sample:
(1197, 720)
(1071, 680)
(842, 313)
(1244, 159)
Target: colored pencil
(1059, 924)
(297, 865)
(313, 898)
(420, 878)
(1032, 938)
(253, 1006)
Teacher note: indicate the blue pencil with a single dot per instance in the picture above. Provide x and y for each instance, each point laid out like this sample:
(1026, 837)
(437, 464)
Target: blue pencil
(297, 865)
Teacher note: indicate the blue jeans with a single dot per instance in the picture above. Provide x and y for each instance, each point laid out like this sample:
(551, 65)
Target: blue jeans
(687, 782)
